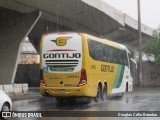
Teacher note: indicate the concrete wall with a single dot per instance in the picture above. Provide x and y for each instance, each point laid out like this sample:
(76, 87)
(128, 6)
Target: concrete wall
(151, 74)
(28, 73)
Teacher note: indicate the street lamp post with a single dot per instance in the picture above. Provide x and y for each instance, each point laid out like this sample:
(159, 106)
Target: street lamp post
(140, 43)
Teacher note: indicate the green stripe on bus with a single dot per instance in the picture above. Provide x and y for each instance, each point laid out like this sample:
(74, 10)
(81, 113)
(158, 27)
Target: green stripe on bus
(119, 76)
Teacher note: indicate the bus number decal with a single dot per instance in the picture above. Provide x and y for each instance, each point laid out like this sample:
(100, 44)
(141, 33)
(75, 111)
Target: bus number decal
(73, 76)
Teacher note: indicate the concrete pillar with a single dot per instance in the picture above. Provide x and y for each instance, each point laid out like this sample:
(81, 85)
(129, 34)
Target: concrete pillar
(11, 35)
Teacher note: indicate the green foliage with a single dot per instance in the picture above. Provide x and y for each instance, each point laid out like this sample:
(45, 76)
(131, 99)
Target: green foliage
(152, 48)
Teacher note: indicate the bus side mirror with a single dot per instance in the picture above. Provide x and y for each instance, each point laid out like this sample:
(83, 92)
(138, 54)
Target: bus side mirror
(134, 62)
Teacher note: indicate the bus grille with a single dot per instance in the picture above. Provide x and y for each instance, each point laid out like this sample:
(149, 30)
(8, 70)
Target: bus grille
(61, 63)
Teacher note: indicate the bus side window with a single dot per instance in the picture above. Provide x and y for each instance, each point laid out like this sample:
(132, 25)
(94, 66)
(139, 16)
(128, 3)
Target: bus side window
(121, 57)
(106, 54)
(116, 56)
(111, 55)
(91, 48)
(125, 59)
(91, 52)
(98, 52)
(101, 52)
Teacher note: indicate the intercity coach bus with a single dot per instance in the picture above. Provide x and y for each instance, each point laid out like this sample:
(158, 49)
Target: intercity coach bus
(79, 65)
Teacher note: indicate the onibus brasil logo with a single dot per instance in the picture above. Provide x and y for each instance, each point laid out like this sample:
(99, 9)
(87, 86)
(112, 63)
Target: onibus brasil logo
(61, 41)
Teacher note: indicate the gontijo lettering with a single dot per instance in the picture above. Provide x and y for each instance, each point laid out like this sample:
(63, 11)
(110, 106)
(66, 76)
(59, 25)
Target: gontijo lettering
(62, 55)
(107, 68)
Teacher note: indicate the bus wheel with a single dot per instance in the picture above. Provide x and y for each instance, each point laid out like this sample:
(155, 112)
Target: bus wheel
(60, 99)
(99, 95)
(104, 92)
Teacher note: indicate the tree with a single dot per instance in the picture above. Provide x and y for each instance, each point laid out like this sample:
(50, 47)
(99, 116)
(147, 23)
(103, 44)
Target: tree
(152, 48)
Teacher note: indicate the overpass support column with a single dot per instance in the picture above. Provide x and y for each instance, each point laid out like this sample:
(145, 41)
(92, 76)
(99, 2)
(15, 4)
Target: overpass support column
(11, 35)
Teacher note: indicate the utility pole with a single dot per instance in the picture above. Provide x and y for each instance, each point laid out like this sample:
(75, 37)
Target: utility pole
(140, 43)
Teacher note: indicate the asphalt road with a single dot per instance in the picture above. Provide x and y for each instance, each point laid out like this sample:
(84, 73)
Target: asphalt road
(138, 100)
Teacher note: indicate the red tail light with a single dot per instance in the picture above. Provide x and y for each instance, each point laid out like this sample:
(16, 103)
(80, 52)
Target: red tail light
(83, 79)
(43, 83)
(80, 34)
(44, 35)
(42, 78)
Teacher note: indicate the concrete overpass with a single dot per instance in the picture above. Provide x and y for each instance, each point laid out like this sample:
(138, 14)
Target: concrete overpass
(32, 18)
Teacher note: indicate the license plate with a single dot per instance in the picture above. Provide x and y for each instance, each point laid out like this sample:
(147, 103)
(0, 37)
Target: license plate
(61, 91)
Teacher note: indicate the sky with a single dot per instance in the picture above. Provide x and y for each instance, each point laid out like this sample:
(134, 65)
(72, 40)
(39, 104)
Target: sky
(150, 10)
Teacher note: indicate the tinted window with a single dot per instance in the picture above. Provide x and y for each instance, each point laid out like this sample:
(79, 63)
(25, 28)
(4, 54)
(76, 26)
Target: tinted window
(106, 53)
